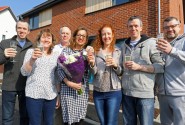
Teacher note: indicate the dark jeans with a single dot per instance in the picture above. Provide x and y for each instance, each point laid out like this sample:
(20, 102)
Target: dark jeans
(37, 107)
(8, 106)
(107, 105)
(141, 107)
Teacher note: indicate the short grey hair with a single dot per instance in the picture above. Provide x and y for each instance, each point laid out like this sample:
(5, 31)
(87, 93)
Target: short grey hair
(63, 27)
(133, 18)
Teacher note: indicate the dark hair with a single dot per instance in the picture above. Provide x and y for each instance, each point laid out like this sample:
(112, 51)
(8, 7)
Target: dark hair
(98, 43)
(168, 19)
(73, 41)
(46, 32)
(135, 17)
(22, 21)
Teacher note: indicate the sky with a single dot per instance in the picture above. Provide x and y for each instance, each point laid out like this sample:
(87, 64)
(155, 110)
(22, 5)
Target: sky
(20, 6)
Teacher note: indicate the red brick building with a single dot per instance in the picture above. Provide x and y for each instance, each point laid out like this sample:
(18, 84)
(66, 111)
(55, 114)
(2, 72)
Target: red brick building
(93, 13)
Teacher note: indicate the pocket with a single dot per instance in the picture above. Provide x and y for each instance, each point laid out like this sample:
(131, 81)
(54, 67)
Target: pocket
(147, 80)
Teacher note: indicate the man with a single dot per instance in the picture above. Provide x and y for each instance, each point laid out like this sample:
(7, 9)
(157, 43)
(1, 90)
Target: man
(171, 84)
(139, 75)
(13, 82)
(65, 34)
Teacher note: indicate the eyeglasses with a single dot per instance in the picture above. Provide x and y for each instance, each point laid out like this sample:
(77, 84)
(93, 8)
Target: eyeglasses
(171, 26)
(79, 35)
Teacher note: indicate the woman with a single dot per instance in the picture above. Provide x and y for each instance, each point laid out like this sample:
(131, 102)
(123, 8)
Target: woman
(105, 66)
(39, 66)
(74, 106)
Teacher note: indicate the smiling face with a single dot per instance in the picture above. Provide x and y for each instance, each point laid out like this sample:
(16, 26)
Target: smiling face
(107, 36)
(65, 34)
(22, 29)
(46, 40)
(135, 28)
(171, 29)
(81, 38)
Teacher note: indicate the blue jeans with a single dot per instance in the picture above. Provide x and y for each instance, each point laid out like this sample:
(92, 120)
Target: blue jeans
(37, 107)
(107, 105)
(8, 106)
(141, 107)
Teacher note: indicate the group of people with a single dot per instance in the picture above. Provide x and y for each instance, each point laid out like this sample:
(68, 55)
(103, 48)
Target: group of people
(45, 92)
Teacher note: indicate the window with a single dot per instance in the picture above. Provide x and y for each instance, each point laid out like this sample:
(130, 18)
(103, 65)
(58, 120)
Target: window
(41, 19)
(3, 37)
(94, 5)
(117, 2)
(34, 22)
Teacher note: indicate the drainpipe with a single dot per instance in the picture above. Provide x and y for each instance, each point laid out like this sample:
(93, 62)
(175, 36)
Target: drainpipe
(159, 16)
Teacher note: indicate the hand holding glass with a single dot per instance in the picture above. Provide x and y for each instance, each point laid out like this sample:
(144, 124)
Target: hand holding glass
(13, 45)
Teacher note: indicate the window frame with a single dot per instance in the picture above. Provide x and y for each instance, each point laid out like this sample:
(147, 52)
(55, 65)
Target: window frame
(90, 8)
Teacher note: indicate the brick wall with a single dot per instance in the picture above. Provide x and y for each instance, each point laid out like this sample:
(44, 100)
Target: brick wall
(176, 9)
(72, 13)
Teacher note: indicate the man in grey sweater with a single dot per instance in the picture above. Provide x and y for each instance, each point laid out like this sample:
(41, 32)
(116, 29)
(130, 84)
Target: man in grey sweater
(139, 74)
(171, 84)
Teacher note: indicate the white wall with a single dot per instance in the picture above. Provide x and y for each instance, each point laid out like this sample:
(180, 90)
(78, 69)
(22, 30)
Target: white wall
(7, 25)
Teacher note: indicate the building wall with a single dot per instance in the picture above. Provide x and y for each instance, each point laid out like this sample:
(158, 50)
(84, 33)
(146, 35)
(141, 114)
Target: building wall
(72, 13)
(7, 27)
(7, 24)
(176, 9)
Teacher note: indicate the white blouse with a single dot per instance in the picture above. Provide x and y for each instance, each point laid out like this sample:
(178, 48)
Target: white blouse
(41, 80)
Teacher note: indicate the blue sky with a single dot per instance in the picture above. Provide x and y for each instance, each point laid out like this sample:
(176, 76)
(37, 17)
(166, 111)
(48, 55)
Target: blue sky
(20, 6)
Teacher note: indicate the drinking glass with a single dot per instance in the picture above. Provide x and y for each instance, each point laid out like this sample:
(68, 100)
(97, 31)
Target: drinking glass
(127, 58)
(106, 62)
(40, 46)
(160, 36)
(13, 44)
(108, 56)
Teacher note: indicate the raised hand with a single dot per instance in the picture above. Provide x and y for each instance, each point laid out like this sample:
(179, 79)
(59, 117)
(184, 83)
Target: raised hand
(10, 52)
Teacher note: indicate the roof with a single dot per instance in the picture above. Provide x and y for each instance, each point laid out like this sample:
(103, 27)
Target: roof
(4, 8)
(40, 7)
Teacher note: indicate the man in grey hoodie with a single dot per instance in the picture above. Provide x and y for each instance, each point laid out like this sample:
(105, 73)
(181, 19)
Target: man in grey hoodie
(138, 78)
(171, 84)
